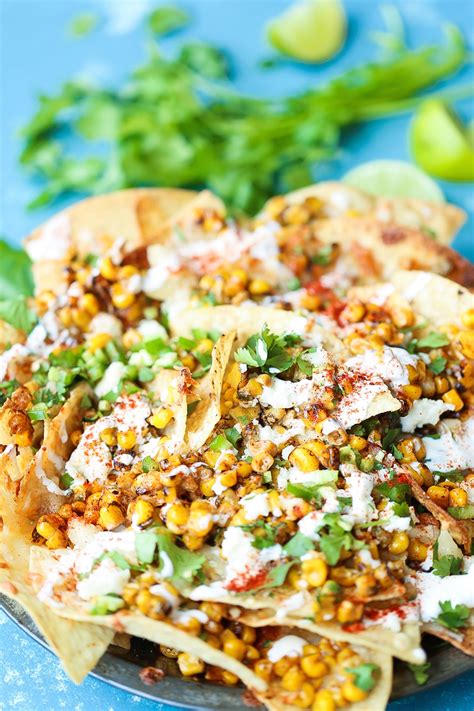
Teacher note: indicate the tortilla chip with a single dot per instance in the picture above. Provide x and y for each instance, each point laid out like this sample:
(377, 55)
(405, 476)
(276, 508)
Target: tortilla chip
(202, 420)
(169, 386)
(436, 299)
(463, 639)
(39, 490)
(278, 699)
(339, 199)
(404, 644)
(186, 223)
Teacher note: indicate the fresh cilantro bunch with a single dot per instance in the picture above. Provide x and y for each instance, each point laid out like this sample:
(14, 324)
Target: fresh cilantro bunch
(453, 617)
(16, 285)
(268, 351)
(174, 121)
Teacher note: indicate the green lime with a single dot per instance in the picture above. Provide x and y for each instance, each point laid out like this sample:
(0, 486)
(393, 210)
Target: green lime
(394, 178)
(440, 144)
(311, 30)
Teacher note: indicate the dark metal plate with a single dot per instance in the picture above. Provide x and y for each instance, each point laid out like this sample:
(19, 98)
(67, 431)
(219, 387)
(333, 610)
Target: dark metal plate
(121, 668)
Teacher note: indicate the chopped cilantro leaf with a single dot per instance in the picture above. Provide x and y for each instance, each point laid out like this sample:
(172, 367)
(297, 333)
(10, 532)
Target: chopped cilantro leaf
(106, 604)
(268, 351)
(148, 464)
(433, 340)
(65, 480)
(447, 565)
(167, 18)
(453, 617)
(437, 365)
(365, 675)
(420, 672)
(297, 546)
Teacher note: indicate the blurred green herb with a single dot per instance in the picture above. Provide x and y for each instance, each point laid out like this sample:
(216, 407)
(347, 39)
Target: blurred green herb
(83, 24)
(172, 124)
(16, 284)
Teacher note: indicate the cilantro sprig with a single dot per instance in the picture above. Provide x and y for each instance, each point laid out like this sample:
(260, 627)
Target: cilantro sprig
(268, 352)
(453, 617)
(365, 675)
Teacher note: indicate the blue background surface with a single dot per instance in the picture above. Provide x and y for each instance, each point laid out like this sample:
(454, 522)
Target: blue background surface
(37, 54)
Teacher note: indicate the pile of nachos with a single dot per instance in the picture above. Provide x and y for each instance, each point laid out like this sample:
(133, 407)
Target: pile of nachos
(248, 441)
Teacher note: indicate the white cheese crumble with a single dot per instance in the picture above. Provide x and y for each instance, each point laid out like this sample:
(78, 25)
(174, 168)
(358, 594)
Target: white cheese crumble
(288, 646)
(424, 412)
(53, 241)
(106, 323)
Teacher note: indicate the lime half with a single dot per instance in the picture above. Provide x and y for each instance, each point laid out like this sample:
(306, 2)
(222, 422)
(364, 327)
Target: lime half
(394, 178)
(311, 30)
(440, 144)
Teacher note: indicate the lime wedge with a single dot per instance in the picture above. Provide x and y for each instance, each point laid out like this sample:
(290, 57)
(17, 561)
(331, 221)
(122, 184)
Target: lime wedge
(311, 30)
(440, 144)
(394, 178)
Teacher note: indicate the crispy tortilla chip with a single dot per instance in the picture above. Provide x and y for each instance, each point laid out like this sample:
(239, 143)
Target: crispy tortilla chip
(339, 199)
(39, 490)
(463, 639)
(94, 225)
(79, 646)
(206, 415)
(278, 699)
(438, 300)
(170, 387)
(186, 223)
(404, 644)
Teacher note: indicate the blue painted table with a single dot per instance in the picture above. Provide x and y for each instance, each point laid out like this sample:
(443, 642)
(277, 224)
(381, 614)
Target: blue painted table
(37, 55)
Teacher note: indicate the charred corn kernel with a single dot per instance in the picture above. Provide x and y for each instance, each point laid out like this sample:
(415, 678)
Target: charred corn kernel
(330, 660)
(417, 550)
(349, 612)
(344, 654)
(143, 512)
(75, 437)
(439, 495)
(234, 648)
(467, 318)
(315, 572)
(189, 665)
(100, 340)
(46, 529)
(177, 517)
(453, 398)
(189, 361)
(442, 384)
(399, 543)
(412, 449)
(357, 443)
(365, 585)
(207, 282)
(108, 269)
(248, 635)
(323, 701)
(109, 436)
(239, 275)
(295, 580)
(254, 387)
(402, 316)
(57, 540)
(192, 542)
(304, 460)
(283, 665)
(121, 299)
(353, 312)
(305, 696)
(161, 418)
(214, 610)
(243, 469)
(263, 668)
(314, 667)
(225, 461)
(428, 386)
(412, 391)
(206, 487)
(200, 520)
(23, 439)
(81, 319)
(190, 625)
(126, 440)
(353, 693)
(412, 373)
(90, 304)
(466, 339)
(169, 652)
(292, 679)
(127, 271)
(311, 302)
(228, 478)
(205, 345)
(252, 653)
(110, 517)
(458, 497)
(262, 462)
(259, 287)
(228, 678)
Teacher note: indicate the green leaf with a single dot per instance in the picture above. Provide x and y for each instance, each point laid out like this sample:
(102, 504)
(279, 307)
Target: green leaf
(447, 565)
(462, 513)
(220, 443)
(455, 475)
(453, 617)
(166, 19)
(17, 314)
(204, 59)
(420, 672)
(433, 340)
(145, 546)
(437, 365)
(297, 546)
(16, 278)
(323, 257)
(106, 604)
(148, 464)
(186, 564)
(145, 375)
(394, 492)
(83, 24)
(277, 576)
(65, 480)
(233, 435)
(365, 675)
(117, 558)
